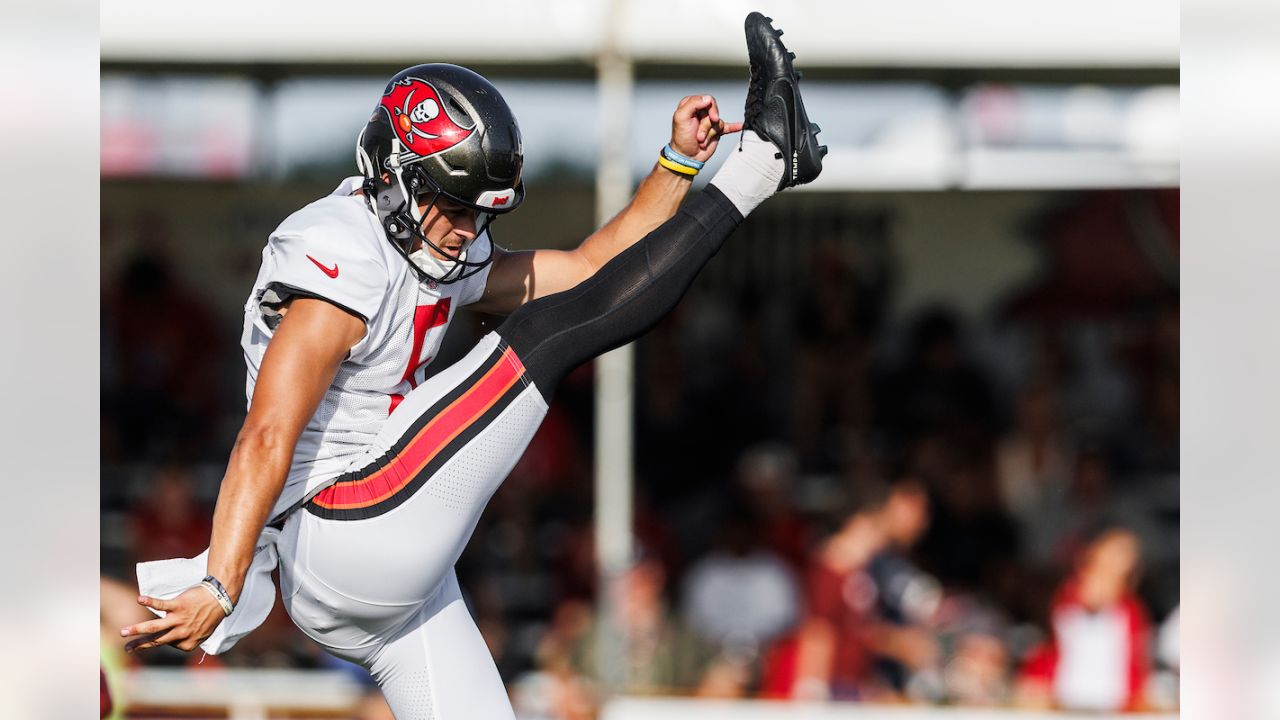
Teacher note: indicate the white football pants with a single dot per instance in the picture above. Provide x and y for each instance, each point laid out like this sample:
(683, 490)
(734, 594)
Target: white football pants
(367, 565)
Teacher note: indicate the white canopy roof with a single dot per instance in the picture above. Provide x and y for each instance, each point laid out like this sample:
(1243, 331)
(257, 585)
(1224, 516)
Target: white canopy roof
(928, 33)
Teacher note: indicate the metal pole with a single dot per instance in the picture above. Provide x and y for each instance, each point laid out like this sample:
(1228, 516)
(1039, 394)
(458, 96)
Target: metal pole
(613, 457)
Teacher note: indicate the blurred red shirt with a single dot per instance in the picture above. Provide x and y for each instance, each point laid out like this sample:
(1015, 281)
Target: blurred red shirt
(846, 601)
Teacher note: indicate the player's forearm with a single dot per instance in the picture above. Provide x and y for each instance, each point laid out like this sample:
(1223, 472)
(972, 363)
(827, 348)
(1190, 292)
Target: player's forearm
(255, 474)
(520, 277)
(655, 202)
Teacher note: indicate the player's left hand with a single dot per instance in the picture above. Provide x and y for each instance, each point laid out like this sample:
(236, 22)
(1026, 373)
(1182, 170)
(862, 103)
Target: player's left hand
(696, 127)
(189, 619)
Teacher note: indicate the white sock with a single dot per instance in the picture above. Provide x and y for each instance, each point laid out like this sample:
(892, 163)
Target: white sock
(750, 174)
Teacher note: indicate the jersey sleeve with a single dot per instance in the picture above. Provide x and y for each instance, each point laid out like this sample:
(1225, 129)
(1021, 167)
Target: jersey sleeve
(329, 264)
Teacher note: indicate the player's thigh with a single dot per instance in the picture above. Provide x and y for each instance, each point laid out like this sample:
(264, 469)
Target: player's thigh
(438, 666)
(385, 536)
(397, 552)
(355, 583)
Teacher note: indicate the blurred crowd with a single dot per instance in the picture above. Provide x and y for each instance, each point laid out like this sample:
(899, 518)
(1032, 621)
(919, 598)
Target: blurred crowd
(834, 500)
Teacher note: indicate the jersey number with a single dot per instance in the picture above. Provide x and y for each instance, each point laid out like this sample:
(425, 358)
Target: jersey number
(425, 317)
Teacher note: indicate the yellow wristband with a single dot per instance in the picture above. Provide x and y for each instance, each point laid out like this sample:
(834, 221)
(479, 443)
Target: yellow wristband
(676, 167)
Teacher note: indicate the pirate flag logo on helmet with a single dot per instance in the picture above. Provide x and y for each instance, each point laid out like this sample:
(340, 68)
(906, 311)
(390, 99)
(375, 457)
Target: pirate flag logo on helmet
(419, 119)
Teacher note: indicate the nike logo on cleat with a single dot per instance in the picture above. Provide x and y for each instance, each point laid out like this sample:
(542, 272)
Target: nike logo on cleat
(331, 273)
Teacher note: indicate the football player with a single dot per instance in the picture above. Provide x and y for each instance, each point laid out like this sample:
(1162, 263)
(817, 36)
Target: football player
(369, 480)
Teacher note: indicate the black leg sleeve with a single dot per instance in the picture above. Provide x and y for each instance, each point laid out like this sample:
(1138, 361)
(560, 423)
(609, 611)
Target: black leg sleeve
(625, 298)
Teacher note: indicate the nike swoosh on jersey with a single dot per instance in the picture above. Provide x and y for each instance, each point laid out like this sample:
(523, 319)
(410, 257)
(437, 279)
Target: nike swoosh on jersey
(331, 273)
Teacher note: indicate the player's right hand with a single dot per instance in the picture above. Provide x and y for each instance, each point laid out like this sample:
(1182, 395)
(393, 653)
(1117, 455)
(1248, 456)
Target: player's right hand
(188, 620)
(696, 127)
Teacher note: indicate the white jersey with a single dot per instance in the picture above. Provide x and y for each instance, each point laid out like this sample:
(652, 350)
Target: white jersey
(335, 249)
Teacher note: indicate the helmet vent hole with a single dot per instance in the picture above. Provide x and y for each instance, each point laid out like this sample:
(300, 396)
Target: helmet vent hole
(459, 112)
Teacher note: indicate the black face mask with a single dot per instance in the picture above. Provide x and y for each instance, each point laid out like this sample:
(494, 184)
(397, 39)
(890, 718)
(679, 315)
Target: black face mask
(394, 211)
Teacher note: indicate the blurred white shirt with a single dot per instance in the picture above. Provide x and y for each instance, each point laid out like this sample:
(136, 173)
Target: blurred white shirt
(741, 600)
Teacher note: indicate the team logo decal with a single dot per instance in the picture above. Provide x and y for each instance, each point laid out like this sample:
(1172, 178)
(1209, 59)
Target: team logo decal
(419, 119)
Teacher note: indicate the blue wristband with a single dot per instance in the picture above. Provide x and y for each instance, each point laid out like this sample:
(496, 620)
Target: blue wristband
(676, 157)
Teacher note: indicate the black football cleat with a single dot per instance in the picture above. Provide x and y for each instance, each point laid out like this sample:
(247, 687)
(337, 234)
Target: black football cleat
(774, 108)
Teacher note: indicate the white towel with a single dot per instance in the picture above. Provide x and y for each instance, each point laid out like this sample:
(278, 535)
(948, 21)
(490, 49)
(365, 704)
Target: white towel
(168, 579)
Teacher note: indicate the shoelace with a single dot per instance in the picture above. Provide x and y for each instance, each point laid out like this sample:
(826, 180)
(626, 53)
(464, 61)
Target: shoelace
(755, 96)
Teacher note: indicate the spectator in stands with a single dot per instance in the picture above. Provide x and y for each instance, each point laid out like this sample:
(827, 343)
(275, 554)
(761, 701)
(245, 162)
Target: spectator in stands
(1058, 528)
(740, 596)
(663, 654)
(554, 689)
(1097, 658)
(907, 599)
(977, 674)
(830, 656)
(1090, 504)
(766, 480)
(970, 542)
(1034, 459)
